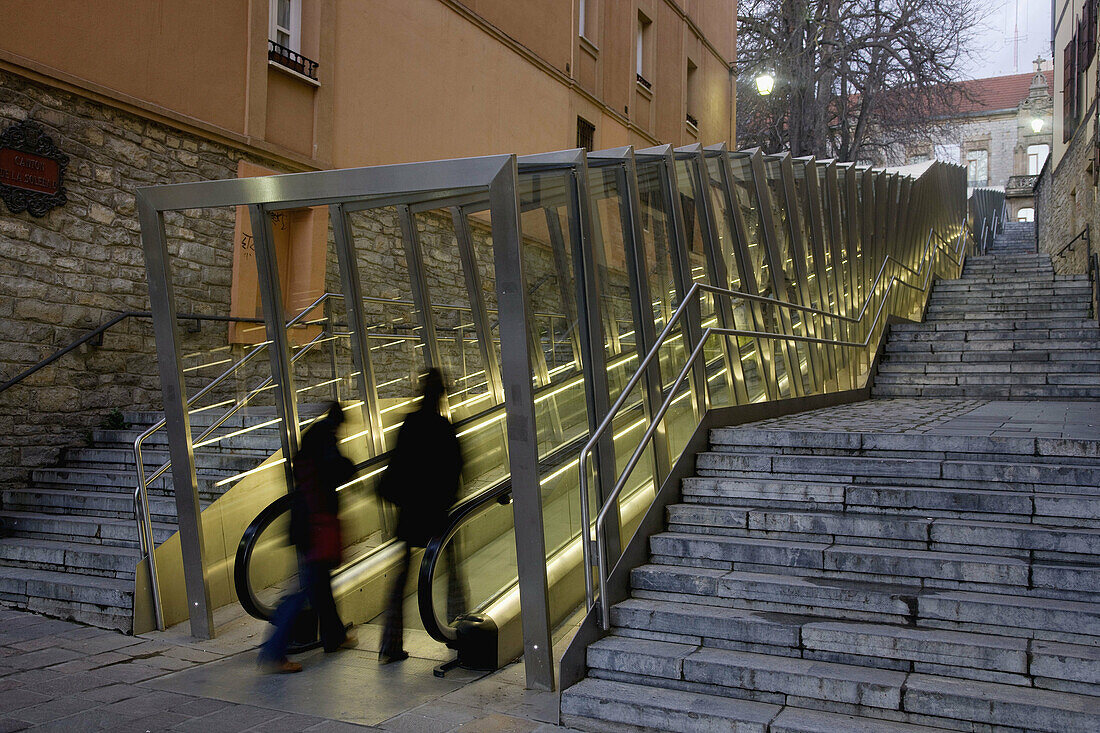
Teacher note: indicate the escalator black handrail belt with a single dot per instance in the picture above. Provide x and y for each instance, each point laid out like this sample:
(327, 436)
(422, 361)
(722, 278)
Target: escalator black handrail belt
(463, 512)
(252, 605)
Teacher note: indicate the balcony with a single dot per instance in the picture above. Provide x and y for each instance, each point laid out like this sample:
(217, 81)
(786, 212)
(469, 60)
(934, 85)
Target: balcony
(292, 60)
(1021, 185)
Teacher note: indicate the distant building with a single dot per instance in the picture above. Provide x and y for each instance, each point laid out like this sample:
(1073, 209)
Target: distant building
(1002, 134)
(1066, 199)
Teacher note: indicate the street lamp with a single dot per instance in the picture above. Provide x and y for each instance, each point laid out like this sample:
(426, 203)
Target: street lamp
(764, 83)
(1037, 124)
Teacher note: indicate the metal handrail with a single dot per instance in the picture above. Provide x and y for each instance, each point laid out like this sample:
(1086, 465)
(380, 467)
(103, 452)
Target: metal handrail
(696, 288)
(1084, 235)
(146, 541)
(102, 328)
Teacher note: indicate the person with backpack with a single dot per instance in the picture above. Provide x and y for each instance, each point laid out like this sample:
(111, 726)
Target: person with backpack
(422, 480)
(319, 469)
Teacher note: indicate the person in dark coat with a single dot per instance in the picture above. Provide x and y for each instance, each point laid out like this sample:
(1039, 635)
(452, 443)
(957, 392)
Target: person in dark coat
(422, 480)
(319, 469)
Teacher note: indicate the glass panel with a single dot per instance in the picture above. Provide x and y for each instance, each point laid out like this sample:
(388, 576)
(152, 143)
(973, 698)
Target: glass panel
(658, 240)
(716, 368)
(459, 352)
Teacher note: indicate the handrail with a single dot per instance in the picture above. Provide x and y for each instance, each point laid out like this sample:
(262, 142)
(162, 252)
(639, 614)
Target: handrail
(146, 541)
(1084, 235)
(696, 288)
(102, 328)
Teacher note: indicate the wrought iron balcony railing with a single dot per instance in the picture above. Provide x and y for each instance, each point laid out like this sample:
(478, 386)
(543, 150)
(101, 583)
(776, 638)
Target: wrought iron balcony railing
(291, 59)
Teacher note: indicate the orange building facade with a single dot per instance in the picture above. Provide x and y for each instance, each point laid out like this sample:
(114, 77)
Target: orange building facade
(363, 82)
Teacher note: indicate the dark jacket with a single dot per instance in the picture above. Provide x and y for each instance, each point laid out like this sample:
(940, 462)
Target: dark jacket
(422, 478)
(319, 468)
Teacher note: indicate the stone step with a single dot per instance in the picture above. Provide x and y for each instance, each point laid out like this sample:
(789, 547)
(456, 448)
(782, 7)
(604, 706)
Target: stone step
(260, 442)
(1064, 392)
(1031, 355)
(734, 438)
(956, 570)
(120, 459)
(1069, 509)
(105, 602)
(69, 556)
(996, 334)
(851, 527)
(841, 688)
(983, 378)
(1058, 369)
(595, 704)
(725, 463)
(114, 504)
(91, 530)
(999, 324)
(1053, 620)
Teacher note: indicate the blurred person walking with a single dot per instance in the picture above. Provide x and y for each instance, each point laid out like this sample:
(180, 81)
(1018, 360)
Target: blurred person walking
(422, 480)
(319, 469)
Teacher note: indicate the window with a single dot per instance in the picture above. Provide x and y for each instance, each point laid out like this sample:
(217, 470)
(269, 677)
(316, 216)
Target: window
(977, 168)
(286, 23)
(1025, 214)
(643, 64)
(1036, 156)
(586, 134)
(589, 19)
(918, 158)
(692, 114)
(1069, 89)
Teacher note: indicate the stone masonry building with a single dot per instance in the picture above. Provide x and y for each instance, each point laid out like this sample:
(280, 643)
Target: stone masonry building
(1066, 196)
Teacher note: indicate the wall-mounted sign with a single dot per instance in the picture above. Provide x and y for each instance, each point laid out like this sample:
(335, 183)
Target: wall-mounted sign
(32, 170)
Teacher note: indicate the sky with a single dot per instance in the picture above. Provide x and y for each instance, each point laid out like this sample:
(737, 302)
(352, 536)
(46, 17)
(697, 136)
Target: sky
(994, 48)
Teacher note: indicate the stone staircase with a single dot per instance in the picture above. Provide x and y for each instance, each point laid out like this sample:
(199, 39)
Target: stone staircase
(69, 542)
(842, 581)
(823, 574)
(1007, 329)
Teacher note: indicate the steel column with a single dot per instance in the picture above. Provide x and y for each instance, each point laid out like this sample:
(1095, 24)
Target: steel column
(357, 325)
(478, 312)
(177, 422)
(271, 297)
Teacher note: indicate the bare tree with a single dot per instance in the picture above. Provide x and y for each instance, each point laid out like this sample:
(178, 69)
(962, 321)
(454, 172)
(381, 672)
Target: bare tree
(853, 77)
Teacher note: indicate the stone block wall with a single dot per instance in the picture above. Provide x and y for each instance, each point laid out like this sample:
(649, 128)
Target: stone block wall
(65, 273)
(1065, 201)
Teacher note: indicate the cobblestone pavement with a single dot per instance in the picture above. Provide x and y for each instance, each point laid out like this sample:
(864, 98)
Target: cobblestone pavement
(1079, 419)
(63, 676)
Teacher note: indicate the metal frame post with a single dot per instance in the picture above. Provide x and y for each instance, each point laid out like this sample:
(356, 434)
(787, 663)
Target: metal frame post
(523, 453)
(271, 298)
(478, 312)
(791, 361)
(357, 325)
(177, 421)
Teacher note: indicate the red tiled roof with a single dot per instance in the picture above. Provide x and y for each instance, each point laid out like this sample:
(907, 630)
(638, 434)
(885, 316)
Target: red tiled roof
(998, 92)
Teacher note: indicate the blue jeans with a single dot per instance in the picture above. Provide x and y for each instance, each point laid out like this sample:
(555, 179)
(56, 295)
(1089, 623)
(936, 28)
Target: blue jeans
(315, 587)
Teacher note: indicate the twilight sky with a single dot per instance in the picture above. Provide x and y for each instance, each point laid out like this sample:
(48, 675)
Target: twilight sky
(994, 49)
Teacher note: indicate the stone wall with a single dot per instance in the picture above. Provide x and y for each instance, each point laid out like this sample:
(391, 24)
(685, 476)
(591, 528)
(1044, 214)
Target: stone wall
(65, 273)
(1065, 201)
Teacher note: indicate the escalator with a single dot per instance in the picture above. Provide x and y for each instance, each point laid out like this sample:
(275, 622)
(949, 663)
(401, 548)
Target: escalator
(479, 537)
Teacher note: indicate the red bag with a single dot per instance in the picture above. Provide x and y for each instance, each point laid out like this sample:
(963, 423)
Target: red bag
(328, 543)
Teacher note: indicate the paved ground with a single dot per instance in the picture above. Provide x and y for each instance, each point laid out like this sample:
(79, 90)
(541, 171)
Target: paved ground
(63, 676)
(1077, 420)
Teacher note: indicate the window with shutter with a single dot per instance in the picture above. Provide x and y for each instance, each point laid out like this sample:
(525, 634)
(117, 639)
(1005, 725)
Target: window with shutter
(1069, 90)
